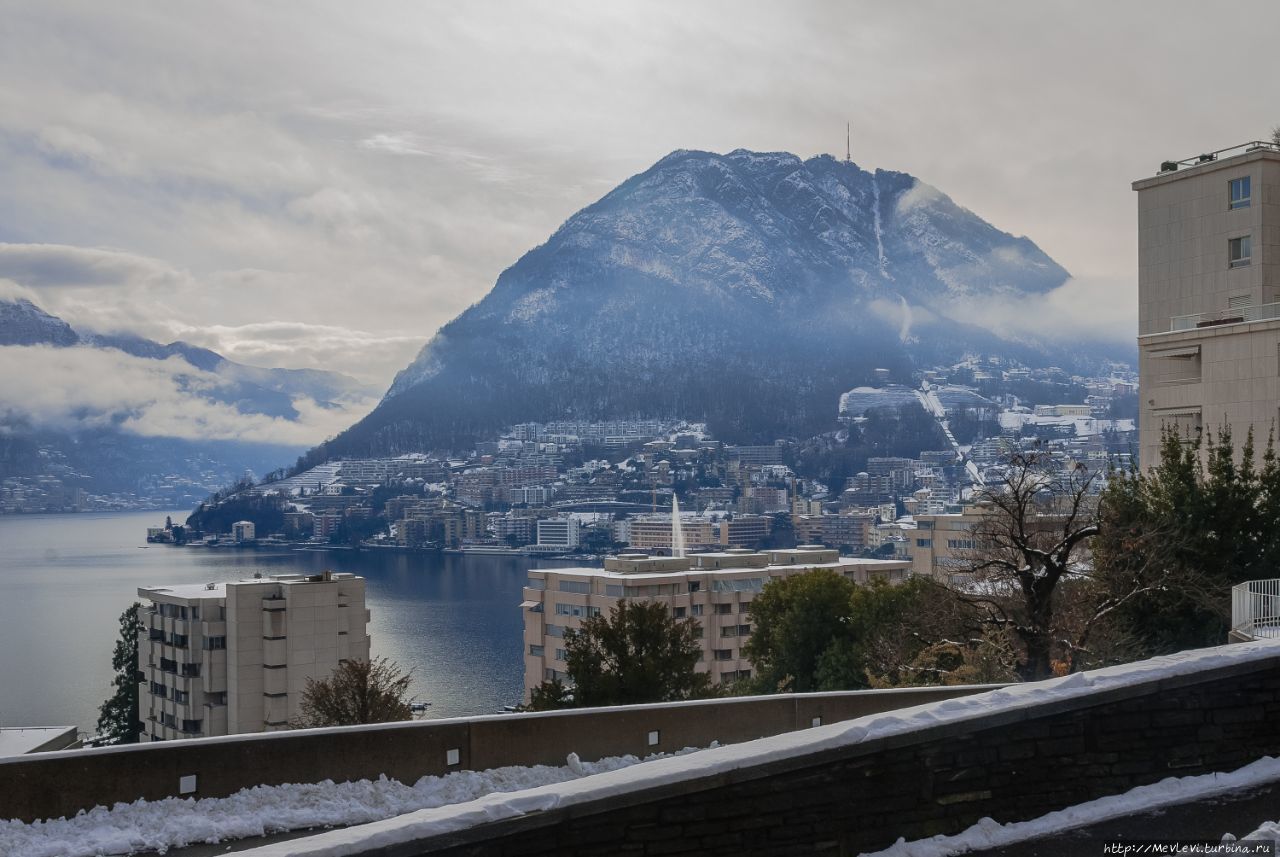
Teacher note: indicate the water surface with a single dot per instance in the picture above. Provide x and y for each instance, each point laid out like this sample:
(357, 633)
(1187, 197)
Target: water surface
(65, 579)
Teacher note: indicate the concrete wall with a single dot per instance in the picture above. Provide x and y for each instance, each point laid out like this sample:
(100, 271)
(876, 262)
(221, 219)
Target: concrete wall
(1012, 764)
(58, 784)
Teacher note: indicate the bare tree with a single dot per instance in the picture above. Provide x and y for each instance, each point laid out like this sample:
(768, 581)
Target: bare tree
(357, 692)
(1039, 519)
(1055, 555)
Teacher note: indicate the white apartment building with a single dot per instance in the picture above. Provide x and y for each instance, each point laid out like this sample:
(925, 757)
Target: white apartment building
(223, 658)
(715, 588)
(1209, 295)
(558, 533)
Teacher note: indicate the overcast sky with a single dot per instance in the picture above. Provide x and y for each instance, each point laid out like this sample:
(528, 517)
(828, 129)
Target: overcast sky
(326, 184)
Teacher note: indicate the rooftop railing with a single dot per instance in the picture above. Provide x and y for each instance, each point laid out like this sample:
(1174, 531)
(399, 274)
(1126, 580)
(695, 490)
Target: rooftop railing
(1240, 315)
(1255, 609)
(1230, 151)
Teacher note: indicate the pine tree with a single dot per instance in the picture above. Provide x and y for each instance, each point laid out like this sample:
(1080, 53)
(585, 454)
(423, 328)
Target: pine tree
(638, 653)
(118, 720)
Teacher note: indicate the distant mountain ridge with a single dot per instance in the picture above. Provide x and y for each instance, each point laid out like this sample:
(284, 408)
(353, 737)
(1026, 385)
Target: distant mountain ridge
(253, 389)
(747, 289)
(93, 449)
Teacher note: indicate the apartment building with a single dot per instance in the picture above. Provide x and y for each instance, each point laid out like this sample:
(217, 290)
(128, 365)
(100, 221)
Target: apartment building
(1209, 295)
(715, 588)
(653, 532)
(558, 533)
(223, 658)
(943, 545)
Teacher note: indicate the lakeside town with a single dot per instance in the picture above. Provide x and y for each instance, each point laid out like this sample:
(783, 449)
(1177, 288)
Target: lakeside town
(585, 489)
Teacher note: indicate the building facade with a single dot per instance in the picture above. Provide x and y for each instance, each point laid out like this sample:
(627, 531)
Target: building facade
(224, 658)
(558, 533)
(1209, 296)
(714, 588)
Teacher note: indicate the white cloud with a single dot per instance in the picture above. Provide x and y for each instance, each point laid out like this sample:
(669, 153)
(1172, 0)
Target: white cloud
(377, 171)
(80, 387)
(1083, 309)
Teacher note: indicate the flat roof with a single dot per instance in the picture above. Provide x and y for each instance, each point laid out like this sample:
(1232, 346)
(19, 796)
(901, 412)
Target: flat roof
(19, 740)
(1196, 165)
(843, 562)
(193, 591)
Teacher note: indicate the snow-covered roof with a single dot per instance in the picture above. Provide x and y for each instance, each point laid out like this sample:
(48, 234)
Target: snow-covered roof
(18, 740)
(631, 576)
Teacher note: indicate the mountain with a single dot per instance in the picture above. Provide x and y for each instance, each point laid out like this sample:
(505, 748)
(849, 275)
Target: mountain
(24, 323)
(122, 420)
(747, 289)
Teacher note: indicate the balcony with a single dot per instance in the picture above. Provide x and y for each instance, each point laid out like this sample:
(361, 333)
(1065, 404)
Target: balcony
(1240, 315)
(1255, 610)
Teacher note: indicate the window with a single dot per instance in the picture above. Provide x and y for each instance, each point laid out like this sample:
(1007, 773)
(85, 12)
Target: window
(1239, 192)
(536, 583)
(181, 696)
(560, 655)
(729, 631)
(1240, 251)
(157, 689)
(215, 643)
(555, 630)
(582, 587)
(749, 584)
(695, 610)
(924, 543)
(695, 585)
(218, 698)
(723, 654)
(191, 726)
(744, 606)
(191, 670)
(679, 612)
(613, 589)
(744, 630)
(723, 609)
(535, 650)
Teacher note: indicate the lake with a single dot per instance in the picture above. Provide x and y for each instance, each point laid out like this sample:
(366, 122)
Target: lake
(65, 579)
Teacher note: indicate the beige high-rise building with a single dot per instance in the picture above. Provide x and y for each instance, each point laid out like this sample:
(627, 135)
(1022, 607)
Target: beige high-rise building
(1209, 295)
(222, 658)
(715, 588)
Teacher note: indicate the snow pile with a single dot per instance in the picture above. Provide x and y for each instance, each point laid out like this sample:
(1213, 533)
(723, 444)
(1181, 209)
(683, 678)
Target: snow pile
(988, 833)
(1269, 830)
(709, 763)
(176, 822)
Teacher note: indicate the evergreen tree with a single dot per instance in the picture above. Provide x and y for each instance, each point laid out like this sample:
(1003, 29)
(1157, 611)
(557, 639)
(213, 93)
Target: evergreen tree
(795, 620)
(1205, 516)
(118, 720)
(636, 654)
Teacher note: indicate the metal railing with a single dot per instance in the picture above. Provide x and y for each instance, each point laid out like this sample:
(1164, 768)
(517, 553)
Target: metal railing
(1239, 315)
(1255, 608)
(1230, 151)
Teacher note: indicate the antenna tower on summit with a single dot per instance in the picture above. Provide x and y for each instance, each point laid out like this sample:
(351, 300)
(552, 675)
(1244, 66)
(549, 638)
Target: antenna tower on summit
(848, 142)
